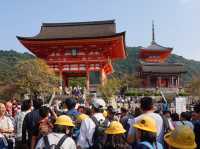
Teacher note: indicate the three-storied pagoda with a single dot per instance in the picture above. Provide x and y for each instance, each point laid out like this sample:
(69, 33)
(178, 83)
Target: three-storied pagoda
(154, 70)
(79, 49)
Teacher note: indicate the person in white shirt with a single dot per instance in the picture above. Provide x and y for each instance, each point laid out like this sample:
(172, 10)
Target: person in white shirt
(59, 137)
(88, 126)
(6, 125)
(146, 105)
(19, 118)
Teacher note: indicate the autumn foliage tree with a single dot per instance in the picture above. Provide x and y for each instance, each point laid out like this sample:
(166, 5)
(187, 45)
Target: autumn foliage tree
(35, 78)
(110, 88)
(194, 86)
(131, 81)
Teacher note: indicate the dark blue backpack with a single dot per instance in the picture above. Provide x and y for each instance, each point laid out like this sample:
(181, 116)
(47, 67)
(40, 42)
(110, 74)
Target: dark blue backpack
(3, 143)
(98, 138)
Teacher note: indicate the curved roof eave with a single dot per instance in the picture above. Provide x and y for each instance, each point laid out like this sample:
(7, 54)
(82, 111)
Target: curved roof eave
(75, 38)
(156, 47)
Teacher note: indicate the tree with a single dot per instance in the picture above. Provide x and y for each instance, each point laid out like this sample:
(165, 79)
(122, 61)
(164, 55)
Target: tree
(7, 83)
(194, 86)
(7, 91)
(130, 81)
(35, 78)
(110, 88)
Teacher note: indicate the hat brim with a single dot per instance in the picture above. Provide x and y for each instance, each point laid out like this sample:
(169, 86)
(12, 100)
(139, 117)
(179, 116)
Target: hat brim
(111, 132)
(142, 128)
(170, 141)
(64, 124)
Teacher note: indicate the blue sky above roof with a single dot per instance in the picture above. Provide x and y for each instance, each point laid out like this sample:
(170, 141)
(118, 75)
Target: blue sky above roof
(176, 21)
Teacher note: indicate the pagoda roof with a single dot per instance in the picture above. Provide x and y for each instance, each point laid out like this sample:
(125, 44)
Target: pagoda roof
(74, 30)
(162, 68)
(156, 47)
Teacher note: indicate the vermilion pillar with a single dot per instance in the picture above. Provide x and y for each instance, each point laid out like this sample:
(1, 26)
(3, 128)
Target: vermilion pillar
(103, 77)
(61, 80)
(87, 77)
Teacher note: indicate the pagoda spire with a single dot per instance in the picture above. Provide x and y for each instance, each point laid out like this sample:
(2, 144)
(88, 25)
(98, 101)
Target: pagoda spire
(153, 34)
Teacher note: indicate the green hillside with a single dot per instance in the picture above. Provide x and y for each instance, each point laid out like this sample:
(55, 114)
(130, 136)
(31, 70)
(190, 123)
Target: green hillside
(191, 66)
(8, 59)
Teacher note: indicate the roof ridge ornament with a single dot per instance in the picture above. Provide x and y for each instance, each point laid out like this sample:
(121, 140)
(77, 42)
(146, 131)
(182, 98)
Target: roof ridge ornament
(153, 33)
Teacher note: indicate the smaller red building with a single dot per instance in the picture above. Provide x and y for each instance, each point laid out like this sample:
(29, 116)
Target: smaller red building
(154, 70)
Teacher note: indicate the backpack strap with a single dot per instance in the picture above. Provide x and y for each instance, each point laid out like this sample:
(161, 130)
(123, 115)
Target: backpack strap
(61, 141)
(147, 144)
(96, 122)
(46, 142)
(159, 145)
(165, 124)
(94, 119)
(4, 141)
(160, 137)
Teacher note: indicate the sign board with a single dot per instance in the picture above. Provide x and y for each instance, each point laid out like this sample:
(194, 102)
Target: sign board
(180, 103)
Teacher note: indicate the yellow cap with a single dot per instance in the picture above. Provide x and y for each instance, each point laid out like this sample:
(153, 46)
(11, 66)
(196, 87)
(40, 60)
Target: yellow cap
(82, 117)
(105, 113)
(181, 138)
(115, 127)
(146, 123)
(64, 120)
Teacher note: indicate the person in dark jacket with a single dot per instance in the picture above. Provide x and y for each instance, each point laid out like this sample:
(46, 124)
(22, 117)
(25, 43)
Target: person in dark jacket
(196, 124)
(30, 121)
(70, 104)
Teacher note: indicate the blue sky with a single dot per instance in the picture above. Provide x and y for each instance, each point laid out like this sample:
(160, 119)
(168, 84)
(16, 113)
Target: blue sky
(177, 22)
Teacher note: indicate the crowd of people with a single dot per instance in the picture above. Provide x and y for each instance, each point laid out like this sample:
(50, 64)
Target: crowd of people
(96, 125)
(76, 91)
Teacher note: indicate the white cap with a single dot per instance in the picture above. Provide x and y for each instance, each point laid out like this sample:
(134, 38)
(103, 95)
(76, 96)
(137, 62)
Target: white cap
(98, 103)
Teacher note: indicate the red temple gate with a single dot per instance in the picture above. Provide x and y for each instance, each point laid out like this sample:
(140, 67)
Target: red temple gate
(77, 49)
